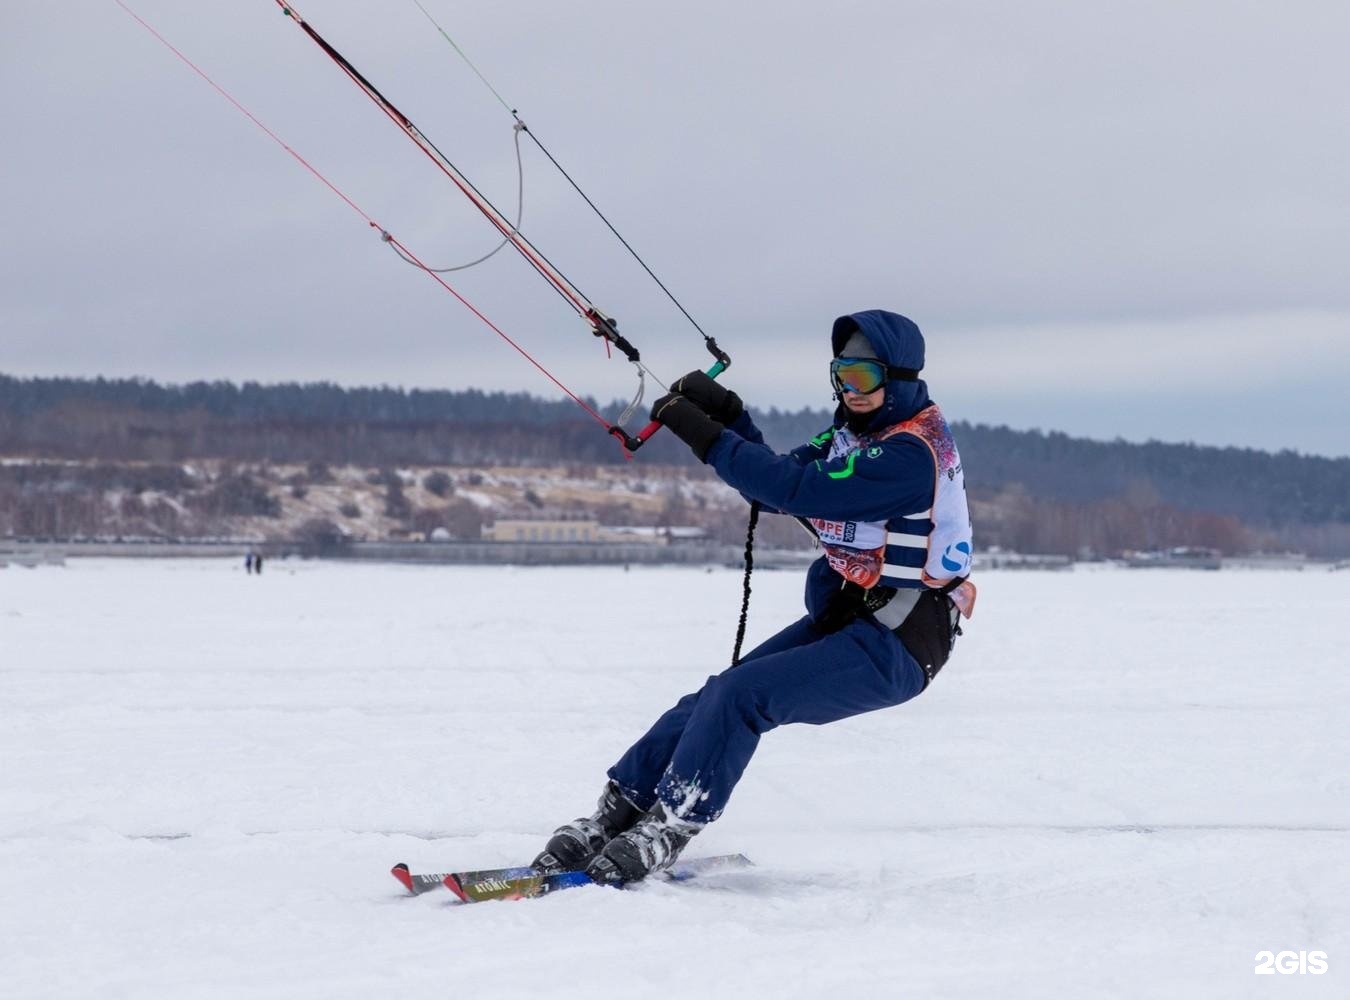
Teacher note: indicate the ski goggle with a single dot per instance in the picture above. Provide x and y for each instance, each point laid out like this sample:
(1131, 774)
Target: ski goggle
(864, 375)
(861, 375)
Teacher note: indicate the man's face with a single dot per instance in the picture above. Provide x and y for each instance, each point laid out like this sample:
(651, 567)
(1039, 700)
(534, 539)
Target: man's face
(865, 402)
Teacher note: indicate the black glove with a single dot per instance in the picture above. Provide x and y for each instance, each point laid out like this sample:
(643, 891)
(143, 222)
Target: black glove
(716, 401)
(690, 424)
(842, 608)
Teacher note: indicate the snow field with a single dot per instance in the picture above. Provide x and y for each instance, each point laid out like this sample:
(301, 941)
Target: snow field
(1124, 784)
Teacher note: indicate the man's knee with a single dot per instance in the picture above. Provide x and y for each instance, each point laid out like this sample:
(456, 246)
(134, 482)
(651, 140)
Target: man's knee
(735, 695)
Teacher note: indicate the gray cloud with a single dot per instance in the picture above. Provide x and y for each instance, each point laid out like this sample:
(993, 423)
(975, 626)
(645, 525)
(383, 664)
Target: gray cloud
(1075, 201)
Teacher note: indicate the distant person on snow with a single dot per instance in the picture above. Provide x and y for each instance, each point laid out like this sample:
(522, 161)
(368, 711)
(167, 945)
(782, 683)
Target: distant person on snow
(883, 490)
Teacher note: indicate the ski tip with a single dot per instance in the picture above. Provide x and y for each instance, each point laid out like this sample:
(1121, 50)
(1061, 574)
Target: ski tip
(452, 883)
(400, 872)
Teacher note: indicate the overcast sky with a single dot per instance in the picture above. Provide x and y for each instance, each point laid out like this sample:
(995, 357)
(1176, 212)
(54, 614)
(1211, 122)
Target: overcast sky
(1110, 219)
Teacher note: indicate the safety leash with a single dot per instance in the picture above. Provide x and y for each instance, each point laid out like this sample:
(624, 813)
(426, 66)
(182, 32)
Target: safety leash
(745, 582)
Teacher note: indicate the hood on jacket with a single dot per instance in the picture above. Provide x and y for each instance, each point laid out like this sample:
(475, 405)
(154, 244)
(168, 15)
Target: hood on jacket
(896, 341)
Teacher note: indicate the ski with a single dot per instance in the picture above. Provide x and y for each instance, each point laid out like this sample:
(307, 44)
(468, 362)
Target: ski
(524, 882)
(510, 883)
(414, 883)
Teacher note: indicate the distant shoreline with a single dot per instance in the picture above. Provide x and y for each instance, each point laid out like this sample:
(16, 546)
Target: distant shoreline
(465, 553)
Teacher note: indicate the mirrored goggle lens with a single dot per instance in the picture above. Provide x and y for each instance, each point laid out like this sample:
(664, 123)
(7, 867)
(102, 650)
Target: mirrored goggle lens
(857, 375)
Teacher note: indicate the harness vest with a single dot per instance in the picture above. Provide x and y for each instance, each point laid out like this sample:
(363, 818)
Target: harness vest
(912, 549)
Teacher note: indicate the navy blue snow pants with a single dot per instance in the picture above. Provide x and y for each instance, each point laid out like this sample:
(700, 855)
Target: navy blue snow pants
(693, 756)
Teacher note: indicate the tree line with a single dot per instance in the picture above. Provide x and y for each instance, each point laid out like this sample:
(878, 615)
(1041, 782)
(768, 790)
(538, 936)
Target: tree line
(1031, 490)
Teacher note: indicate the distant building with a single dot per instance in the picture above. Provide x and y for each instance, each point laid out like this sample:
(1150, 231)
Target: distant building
(1181, 557)
(543, 531)
(996, 558)
(586, 532)
(673, 535)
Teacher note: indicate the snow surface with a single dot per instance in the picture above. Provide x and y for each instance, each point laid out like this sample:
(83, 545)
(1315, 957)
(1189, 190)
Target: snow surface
(1125, 784)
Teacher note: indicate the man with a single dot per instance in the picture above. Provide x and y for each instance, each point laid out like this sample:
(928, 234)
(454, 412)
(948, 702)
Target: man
(883, 490)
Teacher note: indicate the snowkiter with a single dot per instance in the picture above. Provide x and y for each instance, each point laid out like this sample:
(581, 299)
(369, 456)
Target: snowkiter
(883, 490)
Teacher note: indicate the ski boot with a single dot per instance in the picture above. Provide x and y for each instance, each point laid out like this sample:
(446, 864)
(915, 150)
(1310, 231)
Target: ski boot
(651, 845)
(573, 846)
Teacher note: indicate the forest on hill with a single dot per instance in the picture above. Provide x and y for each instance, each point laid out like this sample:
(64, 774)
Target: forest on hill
(1031, 491)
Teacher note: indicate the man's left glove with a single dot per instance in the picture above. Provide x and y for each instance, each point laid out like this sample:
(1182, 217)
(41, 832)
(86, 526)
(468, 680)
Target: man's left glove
(713, 398)
(690, 424)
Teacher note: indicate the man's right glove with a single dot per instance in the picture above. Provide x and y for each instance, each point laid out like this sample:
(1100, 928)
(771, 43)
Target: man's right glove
(718, 402)
(690, 424)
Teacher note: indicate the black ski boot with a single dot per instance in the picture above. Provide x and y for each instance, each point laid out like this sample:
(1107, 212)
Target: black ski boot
(651, 845)
(572, 847)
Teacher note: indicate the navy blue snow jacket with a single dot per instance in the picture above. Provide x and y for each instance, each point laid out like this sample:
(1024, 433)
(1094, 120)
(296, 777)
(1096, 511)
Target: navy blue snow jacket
(894, 477)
